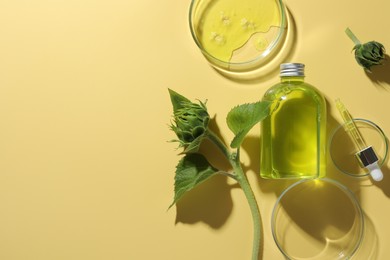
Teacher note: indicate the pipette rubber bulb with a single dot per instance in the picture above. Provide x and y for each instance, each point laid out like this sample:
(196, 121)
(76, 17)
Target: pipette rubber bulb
(375, 171)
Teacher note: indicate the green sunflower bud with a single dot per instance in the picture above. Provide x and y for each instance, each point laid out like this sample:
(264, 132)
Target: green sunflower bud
(190, 122)
(367, 54)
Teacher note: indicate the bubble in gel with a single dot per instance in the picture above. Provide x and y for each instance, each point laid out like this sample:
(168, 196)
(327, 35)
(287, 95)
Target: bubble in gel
(225, 19)
(220, 39)
(217, 38)
(244, 23)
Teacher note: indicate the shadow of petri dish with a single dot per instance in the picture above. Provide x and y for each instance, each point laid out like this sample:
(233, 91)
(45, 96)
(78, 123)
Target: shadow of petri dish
(317, 219)
(369, 247)
(342, 148)
(242, 40)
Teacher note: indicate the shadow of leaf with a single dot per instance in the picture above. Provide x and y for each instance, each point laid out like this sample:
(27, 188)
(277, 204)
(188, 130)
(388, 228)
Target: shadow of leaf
(210, 203)
(251, 145)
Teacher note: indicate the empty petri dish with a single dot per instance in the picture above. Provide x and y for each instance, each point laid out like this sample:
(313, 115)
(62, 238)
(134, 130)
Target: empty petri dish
(342, 148)
(238, 35)
(317, 219)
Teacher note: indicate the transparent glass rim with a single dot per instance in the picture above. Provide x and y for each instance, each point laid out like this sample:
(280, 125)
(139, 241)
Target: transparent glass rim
(349, 194)
(271, 47)
(380, 131)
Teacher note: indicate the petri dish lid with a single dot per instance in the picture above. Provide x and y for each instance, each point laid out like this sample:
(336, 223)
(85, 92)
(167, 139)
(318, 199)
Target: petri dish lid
(317, 219)
(342, 148)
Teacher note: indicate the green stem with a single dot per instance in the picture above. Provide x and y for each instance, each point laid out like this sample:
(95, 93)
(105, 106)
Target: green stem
(227, 174)
(256, 218)
(234, 160)
(352, 36)
(218, 142)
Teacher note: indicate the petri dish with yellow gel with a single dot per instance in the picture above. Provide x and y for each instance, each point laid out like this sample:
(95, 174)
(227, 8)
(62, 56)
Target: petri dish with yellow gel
(238, 35)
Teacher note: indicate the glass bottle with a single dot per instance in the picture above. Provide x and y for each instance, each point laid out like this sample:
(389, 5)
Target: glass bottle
(293, 137)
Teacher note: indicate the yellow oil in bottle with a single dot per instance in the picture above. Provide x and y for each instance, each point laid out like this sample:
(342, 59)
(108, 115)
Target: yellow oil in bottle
(294, 135)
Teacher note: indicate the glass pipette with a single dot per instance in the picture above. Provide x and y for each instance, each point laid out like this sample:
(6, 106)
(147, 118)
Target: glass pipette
(366, 154)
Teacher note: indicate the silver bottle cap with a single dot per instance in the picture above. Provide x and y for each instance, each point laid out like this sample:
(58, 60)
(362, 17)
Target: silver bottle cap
(292, 70)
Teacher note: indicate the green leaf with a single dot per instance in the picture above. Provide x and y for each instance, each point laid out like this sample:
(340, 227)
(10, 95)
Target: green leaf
(192, 170)
(177, 100)
(242, 118)
(194, 146)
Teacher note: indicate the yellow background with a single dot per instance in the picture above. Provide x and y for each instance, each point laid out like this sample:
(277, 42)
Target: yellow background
(86, 172)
